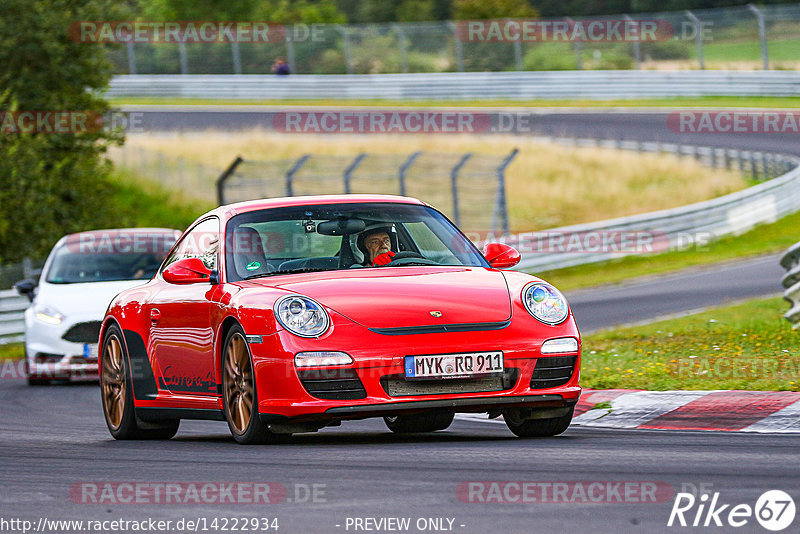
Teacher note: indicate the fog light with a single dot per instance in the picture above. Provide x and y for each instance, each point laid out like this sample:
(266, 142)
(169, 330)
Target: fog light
(560, 345)
(320, 359)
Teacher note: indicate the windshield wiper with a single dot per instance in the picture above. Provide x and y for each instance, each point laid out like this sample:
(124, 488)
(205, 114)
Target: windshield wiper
(287, 271)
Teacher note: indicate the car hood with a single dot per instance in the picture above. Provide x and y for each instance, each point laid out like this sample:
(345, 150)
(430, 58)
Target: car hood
(91, 298)
(406, 296)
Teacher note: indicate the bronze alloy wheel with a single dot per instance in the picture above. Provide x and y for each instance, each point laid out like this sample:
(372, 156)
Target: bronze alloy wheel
(238, 384)
(113, 382)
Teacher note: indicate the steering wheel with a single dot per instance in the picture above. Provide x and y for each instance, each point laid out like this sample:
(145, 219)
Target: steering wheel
(408, 257)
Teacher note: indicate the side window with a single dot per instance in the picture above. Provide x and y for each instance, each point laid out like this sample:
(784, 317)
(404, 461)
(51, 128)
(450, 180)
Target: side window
(202, 242)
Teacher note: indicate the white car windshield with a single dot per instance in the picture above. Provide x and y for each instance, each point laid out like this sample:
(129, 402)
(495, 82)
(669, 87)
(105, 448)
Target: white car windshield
(70, 266)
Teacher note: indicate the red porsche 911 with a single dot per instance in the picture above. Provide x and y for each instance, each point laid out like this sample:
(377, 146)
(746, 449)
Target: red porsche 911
(288, 315)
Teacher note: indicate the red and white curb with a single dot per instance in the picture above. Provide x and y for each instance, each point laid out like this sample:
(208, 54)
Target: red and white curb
(742, 411)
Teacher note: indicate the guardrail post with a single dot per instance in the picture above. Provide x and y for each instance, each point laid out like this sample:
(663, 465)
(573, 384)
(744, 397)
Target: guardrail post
(182, 56)
(762, 35)
(454, 186)
(237, 57)
(224, 177)
(459, 50)
(637, 46)
(403, 46)
(698, 28)
(131, 57)
(291, 172)
(401, 174)
(348, 172)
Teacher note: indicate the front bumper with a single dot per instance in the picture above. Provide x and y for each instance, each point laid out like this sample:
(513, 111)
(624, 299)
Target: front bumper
(51, 356)
(380, 358)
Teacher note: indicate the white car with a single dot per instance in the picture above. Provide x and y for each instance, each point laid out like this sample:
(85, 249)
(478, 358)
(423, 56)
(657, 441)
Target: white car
(83, 272)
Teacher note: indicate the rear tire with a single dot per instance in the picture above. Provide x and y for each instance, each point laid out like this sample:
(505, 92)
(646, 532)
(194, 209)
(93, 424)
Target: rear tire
(417, 423)
(538, 428)
(240, 395)
(116, 390)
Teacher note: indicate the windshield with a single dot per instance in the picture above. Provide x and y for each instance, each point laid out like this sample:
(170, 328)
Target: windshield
(72, 266)
(343, 236)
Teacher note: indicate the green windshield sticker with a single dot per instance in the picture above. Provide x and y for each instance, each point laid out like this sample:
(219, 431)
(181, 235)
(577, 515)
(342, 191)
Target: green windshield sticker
(252, 266)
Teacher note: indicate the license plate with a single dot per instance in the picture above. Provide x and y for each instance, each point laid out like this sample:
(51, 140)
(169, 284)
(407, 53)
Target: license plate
(436, 366)
(90, 351)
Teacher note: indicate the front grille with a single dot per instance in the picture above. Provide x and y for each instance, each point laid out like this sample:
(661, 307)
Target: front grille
(552, 371)
(398, 386)
(83, 332)
(332, 384)
(82, 360)
(44, 357)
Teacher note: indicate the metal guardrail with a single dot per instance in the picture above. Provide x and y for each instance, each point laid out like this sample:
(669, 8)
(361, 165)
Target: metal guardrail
(791, 281)
(12, 322)
(678, 227)
(462, 85)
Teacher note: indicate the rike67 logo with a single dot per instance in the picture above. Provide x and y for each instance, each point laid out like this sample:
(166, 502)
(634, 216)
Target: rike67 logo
(774, 510)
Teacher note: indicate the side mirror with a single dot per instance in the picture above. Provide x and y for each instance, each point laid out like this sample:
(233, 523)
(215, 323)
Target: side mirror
(187, 271)
(500, 255)
(26, 287)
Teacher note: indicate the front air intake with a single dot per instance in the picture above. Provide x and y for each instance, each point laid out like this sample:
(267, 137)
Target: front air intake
(552, 371)
(332, 384)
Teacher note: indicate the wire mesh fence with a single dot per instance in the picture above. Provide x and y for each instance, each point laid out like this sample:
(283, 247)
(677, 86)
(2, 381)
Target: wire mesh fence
(742, 37)
(469, 188)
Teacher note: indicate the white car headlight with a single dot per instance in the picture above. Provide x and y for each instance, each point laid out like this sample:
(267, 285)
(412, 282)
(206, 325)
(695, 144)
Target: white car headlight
(48, 314)
(301, 316)
(545, 303)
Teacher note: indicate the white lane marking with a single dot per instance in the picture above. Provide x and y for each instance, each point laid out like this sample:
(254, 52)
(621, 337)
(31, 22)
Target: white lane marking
(481, 417)
(786, 420)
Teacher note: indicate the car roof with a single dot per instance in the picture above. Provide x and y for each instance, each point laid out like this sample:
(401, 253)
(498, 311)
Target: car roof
(229, 210)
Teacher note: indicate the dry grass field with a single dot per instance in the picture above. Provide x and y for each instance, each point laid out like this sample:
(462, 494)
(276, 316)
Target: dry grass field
(548, 185)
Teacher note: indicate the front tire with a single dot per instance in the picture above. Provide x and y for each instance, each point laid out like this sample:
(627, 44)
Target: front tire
(116, 388)
(240, 395)
(537, 428)
(417, 423)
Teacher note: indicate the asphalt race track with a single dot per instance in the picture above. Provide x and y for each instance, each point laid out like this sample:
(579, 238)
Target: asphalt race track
(54, 443)
(615, 124)
(54, 438)
(689, 290)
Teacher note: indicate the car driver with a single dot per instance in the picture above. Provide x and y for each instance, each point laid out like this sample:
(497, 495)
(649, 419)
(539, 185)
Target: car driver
(376, 244)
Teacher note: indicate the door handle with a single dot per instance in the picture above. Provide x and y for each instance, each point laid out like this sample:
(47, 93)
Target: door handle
(155, 315)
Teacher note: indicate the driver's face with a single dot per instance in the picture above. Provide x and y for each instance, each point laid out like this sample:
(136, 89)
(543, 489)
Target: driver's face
(377, 244)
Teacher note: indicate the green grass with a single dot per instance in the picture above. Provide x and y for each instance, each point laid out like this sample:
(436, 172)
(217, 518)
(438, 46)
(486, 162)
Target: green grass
(140, 203)
(711, 101)
(747, 346)
(779, 50)
(763, 239)
(12, 351)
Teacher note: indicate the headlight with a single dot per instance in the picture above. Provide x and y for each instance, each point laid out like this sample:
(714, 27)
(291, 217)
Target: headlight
(545, 303)
(48, 315)
(301, 316)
